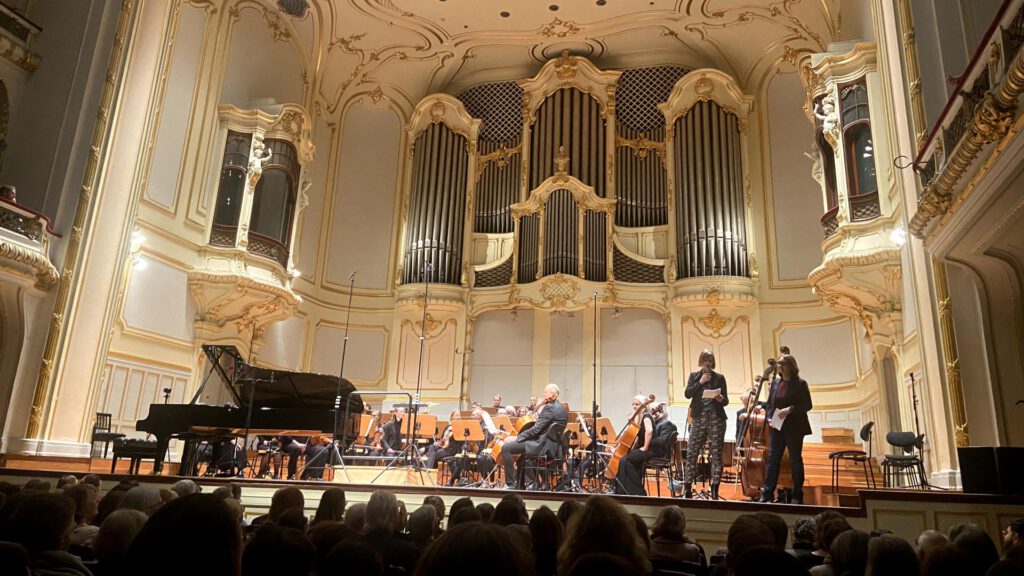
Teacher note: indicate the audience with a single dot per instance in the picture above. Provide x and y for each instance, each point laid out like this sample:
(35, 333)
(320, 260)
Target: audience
(132, 529)
(669, 541)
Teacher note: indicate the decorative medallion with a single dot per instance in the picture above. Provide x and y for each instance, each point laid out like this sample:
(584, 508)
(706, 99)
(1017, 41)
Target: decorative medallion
(712, 294)
(704, 88)
(437, 112)
(565, 67)
(714, 322)
(431, 326)
(559, 290)
(559, 28)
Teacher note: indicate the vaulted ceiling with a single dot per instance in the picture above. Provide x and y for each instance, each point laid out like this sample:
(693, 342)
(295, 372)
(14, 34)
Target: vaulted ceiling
(405, 49)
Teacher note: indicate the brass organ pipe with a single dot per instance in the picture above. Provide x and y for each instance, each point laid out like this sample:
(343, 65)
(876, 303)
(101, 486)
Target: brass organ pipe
(717, 248)
(730, 189)
(430, 200)
(701, 214)
(421, 214)
(443, 194)
(737, 200)
(459, 213)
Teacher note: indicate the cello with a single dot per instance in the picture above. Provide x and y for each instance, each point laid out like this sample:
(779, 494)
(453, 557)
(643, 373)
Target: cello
(624, 441)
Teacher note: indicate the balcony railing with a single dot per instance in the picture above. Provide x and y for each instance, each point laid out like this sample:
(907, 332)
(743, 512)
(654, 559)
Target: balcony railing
(830, 221)
(223, 235)
(978, 113)
(268, 247)
(25, 222)
(864, 207)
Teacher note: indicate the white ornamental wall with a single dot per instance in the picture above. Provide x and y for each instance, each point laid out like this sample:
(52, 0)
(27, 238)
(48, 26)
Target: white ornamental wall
(502, 356)
(633, 359)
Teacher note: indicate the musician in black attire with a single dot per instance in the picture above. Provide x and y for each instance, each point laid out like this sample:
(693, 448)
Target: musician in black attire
(391, 441)
(789, 398)
(708, 421)
(630, 478)
(663, 431)
(443, 448)
(534, 440)
(276, 446)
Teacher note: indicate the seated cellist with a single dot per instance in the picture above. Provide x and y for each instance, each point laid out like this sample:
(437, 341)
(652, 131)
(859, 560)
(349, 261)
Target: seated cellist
(630, 477)
(534, 440)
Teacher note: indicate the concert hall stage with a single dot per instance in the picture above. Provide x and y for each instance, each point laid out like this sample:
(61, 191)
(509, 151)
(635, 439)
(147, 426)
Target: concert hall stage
(905, 512)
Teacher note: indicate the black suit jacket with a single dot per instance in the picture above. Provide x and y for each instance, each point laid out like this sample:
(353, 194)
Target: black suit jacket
(663, 430)
(694, 391)
(537, 435)
(392, 438)
(798, 397)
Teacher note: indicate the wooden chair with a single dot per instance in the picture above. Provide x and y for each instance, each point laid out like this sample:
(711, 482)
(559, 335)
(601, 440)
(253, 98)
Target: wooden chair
(101, 432)
(856, 456)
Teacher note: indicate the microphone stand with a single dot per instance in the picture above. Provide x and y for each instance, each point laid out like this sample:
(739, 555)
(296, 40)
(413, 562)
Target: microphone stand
(593, 406)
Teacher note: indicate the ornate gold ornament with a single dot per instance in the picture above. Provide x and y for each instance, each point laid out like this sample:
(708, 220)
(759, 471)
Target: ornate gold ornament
(431, 326)
(789, 55)
(642, 146)
(559, 290)
(561, 163)
(714, 322)
(559, 28)
(704, 88)
(712, 294)
(437, 111)
(499, 157)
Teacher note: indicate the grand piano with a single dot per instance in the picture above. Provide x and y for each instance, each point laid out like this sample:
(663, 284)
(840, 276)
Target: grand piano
(281, 403)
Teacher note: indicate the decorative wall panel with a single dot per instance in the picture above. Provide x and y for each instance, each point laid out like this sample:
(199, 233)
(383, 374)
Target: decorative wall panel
(130, 387)
(502, 361)
(282, 344)
(275, 76)
(313, 220)
(365, 357)
(817, 349)
(157, 301)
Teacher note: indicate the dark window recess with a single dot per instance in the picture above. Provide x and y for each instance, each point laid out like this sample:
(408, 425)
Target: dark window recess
(274, 197)
(232, 179)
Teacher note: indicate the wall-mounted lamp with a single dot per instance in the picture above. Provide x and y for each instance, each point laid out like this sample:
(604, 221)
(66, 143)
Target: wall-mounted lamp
(898, 236)
(135, 250)
(296, 272)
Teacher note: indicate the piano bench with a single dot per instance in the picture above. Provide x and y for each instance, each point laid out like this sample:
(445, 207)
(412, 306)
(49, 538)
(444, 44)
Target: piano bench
(135, 449)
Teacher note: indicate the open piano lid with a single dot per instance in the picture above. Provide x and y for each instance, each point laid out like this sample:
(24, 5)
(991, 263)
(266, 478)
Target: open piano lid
(279, 388)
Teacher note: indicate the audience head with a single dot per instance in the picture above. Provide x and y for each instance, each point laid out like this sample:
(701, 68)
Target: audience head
(510, 510)
(471, 547)
(587, 534)
(777, 525)
(804, 531)
(438, 505)
(353, 556)
(381, 512)
(116, 535)
(202, 524)
(145, 499)
(947, 560)
(355, 517)
(849, 552)
(37, 485)
(401, 519)
(294, 518)
(671, 523)
(567, 509)
(229, 490)
(423, 525)
(828, 531)
(459, 504)
(746, 532)
(1013, 534)
(325, 536)
(465, 515)
(890, 555)
(977, 545)
(641, 530)
(185, 487)
(278, 551)
(486, 510)
(603, 564)
(757, 560)
(66, 481)
(87, 502)
(546, 537)
(39, 521)
(93, 479)
(928, 541)
(331, 507)
(283, 500)
(14, 559)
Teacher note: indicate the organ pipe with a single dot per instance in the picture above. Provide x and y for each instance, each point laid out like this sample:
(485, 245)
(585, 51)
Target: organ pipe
(710, 222)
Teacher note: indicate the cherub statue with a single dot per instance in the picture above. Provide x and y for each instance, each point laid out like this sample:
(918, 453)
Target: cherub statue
(260, 156)
(816, 167)
(826, 112)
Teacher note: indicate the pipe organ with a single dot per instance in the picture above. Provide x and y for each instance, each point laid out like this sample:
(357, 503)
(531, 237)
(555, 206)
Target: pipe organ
(515, 181)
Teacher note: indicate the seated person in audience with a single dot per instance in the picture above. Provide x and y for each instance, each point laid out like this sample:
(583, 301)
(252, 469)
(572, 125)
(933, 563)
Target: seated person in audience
(42, 523)
(86, 498)
(1013, 535)
(669, 540)
(381, 518)
(284, 499)
(114, 538)
(197, 535)
(804, 530)
(928, 541)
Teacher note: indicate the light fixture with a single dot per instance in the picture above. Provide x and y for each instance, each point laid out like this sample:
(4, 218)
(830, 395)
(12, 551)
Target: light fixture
(898, 236)
(139, 263)
(296, 272)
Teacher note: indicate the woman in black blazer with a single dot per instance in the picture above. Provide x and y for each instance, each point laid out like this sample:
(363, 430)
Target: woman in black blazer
(790, 398)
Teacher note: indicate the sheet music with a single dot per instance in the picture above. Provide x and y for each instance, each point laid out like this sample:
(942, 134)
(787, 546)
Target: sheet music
(711, 394)
(777, 420)
(488, 423)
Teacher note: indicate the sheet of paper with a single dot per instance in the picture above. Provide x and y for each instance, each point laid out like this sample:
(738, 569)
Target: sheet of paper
(711, 394)
(777, 420)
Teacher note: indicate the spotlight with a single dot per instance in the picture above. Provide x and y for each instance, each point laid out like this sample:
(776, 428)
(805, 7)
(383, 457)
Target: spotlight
(898, 236)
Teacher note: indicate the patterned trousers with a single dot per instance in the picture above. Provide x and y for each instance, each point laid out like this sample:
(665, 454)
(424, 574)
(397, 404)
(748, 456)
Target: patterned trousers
(710, 428)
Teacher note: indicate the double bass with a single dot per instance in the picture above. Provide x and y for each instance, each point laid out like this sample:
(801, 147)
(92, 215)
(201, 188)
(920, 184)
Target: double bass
(754, 444)
(626, 438)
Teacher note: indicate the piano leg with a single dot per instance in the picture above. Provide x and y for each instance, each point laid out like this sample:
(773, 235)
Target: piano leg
(161, 453)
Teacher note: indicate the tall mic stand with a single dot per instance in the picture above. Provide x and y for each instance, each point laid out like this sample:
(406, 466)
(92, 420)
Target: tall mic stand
(917, 432)
(337, 394)
(593, 406)
(414, 407)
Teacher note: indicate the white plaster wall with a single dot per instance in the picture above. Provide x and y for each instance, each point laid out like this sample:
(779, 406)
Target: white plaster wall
(364, 203)
(849, 418)
(258, 66)
(283, 343)
(856, 21)
(863, 348)
(502, 361)
(312, 216)
(364, 357)
(176, 108)
(157, 301)
(909, 299)
(797, 201)
(825, 353)
(566, 365)
(634, 359)
(132, 386)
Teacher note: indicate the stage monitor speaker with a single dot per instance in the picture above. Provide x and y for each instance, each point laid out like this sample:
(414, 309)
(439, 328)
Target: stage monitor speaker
(978, 472)
(1010, 466)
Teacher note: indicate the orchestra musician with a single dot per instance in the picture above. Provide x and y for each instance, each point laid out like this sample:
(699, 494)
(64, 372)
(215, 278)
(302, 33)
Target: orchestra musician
(443, 447)
(708, 421)
(320, 451)
(741, 415)
(663, 431)
(790, 399)
(391, 441)
(277, 446)
(630, 477)
(534, 440)
(496, 401)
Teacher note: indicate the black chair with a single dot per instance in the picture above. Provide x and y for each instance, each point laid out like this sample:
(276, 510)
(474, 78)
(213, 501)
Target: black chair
(548, 468)
(856, 456)
(677, 568)
(101, 432)
(897, 468)
(659, 465)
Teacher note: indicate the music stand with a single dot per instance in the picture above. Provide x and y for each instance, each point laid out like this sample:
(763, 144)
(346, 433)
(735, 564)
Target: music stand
(503, 423)
(465, 431)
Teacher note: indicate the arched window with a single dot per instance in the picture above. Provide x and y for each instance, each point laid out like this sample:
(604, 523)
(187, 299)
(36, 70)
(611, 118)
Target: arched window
(859, 150)
(274, 197)
(232, 179)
